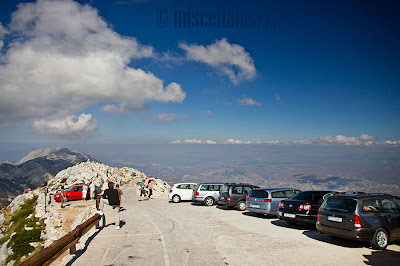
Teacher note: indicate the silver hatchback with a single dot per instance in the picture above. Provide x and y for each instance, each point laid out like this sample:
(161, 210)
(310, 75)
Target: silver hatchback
(266, 200)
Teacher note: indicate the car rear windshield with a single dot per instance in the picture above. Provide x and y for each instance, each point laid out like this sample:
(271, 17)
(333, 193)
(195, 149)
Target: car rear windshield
(309, 195)
(258, 194)
(225, 188)
(337, 204)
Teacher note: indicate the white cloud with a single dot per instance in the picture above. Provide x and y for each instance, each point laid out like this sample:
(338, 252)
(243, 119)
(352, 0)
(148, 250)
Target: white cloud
(397, 142)
(229, 59)
(236, 141)
(248, 101)
(340, 139)
(72, 125)
(164, 118)
(3, 31)
(64, 57)
(193, 141)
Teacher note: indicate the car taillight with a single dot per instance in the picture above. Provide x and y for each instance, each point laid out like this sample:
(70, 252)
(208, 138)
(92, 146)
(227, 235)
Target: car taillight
(229, 196)
(247, 198)
(267, 200)
(197, 194)
(281, 205)
(305, 207)
(170, 191)
(357, 221)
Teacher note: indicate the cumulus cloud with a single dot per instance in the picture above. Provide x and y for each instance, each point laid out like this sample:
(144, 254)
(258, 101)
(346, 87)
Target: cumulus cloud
(340, 139)
(248, 101)
(390, 142)
(229, 59)
(72, 125)
(236, 141)
(64, 57)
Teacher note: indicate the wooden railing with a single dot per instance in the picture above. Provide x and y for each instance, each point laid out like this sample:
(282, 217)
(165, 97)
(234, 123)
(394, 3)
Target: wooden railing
(52, 252)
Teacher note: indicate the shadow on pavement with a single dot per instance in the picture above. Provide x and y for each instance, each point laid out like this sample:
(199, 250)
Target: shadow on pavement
(294, 226)
(383, 257)
(260, 215)
(222, 207)
(335, 240)
(81, 251)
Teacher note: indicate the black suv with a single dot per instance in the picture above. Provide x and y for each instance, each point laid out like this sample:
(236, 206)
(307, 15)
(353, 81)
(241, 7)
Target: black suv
(234, 195)
(302, 207)
(364, 217)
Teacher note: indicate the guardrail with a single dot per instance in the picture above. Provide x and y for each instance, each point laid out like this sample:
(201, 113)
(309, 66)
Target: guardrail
(52, 252)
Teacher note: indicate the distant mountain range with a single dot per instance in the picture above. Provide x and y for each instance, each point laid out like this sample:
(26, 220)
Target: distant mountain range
(35, 168)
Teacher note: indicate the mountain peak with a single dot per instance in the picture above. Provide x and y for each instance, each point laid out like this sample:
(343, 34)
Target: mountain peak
(37, 154)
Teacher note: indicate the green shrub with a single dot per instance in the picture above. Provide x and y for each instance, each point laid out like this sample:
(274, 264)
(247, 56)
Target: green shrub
(63, 180)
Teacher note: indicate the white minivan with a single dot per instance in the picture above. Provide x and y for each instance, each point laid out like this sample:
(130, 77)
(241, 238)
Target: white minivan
(181, 191)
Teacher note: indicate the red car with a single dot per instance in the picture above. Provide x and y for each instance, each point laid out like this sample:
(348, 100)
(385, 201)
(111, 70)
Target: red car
(74, 192)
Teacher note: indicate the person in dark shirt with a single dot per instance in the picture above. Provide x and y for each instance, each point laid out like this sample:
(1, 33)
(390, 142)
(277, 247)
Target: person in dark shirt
(112, 196)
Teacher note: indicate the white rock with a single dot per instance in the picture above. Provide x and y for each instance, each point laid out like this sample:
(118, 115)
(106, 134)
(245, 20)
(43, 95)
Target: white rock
(2, 218)
(4, 252)
(28, 228)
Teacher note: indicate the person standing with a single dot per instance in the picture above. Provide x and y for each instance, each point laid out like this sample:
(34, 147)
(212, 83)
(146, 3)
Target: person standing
(120, 193)
(62, 196)
(142, 190)
(92, 189)
(84, 191)
(111, 195)
(150, 187)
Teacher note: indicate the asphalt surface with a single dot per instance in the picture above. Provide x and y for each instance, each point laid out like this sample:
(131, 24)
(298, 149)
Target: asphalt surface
(158, 232)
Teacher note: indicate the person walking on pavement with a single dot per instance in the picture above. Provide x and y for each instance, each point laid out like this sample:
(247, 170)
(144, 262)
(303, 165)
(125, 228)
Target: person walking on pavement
(92, 189)
(84, 191)
(110, 194)
(120, 193)
(142, 190)
(150, 187)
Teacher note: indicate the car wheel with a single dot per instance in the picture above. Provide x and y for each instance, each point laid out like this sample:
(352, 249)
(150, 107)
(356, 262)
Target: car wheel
(380, 240)
(241, 206)
(176, 199)
(209, 201)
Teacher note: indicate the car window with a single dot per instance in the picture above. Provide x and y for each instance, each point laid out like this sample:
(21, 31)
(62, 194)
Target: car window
(309, 196)
(216, 187)
(290, 193)
(191, 186)
(398, 202)
(339, 204)
(205, 188)
(278, 194)
(258, 193)
(183, 186)
(225, 188)
(247, 190)
(78, 189)
(370, 205)
(68, 188)
(237, 190)
(388, 206)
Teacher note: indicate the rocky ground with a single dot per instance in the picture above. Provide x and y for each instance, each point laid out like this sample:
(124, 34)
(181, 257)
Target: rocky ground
(59, 221)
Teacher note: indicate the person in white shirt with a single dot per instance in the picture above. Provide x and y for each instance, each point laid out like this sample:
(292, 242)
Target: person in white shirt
(92, 190)
(84, 192)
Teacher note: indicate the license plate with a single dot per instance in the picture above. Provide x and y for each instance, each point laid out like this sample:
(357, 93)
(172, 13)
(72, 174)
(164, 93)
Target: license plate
(335, 219)
(289, 215)
(222, 198)
(255, 206)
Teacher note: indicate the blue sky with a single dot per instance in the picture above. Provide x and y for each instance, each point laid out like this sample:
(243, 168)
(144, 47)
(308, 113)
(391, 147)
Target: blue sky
(113, 72)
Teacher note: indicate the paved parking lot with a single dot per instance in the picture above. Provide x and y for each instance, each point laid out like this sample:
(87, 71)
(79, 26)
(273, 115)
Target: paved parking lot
(157, 232)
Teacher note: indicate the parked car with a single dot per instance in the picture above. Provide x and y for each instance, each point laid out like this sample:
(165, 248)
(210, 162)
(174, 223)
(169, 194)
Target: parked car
(207, 193)
(181, 191)
(74, 192)
(302, 207)
(266, 200)
(364, 217)
(234, 195)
